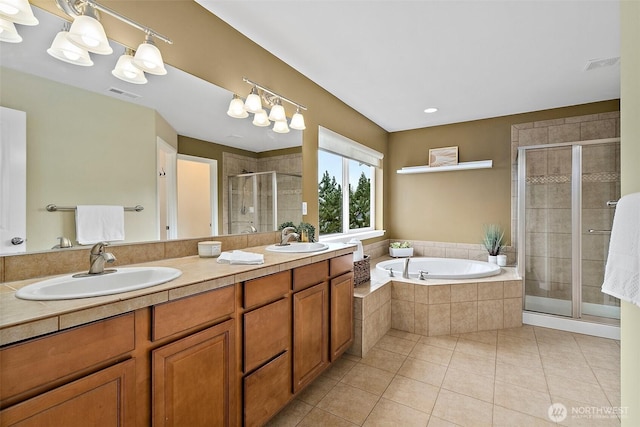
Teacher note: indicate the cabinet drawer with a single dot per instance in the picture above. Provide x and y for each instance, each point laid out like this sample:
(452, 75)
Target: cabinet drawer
(267, 332)
(266, 289)
(49, 360)
(341, 264)
(176, 316)
(267, 390)
(310, 275)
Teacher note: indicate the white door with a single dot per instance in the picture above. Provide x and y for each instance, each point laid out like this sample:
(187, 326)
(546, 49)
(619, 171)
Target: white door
(166, 185)
(13, 181)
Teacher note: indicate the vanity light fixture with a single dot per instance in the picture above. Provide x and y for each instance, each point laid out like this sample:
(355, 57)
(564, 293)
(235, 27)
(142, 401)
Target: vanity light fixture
(8, 32)
(260, 96)
(64, 50)
(18, 12)
(87, 33)
(127, 71)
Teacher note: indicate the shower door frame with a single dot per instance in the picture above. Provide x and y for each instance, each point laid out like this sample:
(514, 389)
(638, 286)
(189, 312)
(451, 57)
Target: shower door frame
(576, 224)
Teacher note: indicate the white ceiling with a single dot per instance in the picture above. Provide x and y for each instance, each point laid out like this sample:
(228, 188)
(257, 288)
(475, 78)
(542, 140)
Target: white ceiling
(391, 59)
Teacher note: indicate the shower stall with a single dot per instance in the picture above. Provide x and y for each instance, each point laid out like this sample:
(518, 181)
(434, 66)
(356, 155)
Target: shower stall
(567, 194)
(261, 201)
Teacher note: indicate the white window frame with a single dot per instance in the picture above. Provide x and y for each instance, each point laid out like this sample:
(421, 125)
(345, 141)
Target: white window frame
(348, 149)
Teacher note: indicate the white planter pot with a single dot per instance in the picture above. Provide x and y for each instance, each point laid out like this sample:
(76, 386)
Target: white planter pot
(502, 260)
(401, 252)
(493, 259)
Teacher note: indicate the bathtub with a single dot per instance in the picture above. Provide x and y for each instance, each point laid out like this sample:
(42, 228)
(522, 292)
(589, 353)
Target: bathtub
(440, 268)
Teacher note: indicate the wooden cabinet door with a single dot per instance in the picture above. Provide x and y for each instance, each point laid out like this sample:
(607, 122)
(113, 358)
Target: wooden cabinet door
(106, 398)
(192, 379)
(310, 334)
(341, 314)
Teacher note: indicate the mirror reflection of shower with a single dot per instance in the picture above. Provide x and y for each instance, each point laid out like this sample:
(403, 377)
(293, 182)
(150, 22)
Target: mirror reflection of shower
(261, 201)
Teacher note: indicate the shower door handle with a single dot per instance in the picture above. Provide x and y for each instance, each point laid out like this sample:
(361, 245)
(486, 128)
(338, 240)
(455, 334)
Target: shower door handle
(612, 203)
(592, 231)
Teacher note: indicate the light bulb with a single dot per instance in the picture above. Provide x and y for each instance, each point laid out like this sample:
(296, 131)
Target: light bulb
(261, 119)
(297, 121)
(87, 33)
(253, 104)
(148, 58)
(62, 49)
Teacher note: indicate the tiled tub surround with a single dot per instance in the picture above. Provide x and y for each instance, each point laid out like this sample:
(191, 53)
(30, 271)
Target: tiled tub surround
(433, 307)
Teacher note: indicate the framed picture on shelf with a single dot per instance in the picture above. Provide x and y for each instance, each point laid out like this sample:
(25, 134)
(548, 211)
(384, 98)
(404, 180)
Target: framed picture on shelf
(446, 156)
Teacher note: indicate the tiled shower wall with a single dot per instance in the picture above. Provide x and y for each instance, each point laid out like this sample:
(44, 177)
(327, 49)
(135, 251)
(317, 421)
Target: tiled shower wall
(549, 202)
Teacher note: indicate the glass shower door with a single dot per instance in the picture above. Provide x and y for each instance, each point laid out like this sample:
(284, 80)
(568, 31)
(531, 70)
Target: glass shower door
(600, 191)
(547, 227)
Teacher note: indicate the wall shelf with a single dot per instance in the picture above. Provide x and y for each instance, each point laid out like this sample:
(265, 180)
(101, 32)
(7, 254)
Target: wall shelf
(482, 164)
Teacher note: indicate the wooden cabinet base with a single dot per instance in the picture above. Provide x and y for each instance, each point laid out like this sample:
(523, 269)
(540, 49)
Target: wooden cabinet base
(106, 398)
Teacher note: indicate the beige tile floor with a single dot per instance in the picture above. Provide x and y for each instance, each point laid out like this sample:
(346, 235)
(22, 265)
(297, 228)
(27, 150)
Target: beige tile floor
(493, 378)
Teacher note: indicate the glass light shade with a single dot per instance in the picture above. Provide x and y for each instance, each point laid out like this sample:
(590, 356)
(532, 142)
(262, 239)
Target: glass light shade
(253, 104)
(64, 50)
(149, 59)
(87, 32)
(281, 126)
(236, 108)
(17, 11)
(8, 32)
(297, 122)
(260, 118)
(277, 113)
(126, 71)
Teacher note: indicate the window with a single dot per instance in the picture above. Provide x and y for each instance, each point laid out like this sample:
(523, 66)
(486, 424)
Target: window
(346, 184)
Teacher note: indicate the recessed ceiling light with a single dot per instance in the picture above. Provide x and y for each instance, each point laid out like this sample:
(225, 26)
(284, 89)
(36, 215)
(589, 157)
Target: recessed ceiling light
(431, 110)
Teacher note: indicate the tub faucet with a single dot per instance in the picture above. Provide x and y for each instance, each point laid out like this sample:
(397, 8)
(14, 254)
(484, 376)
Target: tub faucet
(288, 233)
(405, 272)
(98, 257)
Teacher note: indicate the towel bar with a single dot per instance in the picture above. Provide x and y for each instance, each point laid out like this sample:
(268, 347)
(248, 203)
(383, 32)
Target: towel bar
(54, 208)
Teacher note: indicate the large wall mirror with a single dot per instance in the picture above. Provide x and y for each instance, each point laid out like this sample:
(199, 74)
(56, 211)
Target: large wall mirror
(92, 139)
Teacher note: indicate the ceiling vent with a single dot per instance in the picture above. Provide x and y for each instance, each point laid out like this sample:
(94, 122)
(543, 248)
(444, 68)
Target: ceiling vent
(594, 64)
(116, 91)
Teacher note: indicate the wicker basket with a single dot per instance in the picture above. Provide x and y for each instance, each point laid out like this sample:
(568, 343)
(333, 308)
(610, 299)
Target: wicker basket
(361, 271)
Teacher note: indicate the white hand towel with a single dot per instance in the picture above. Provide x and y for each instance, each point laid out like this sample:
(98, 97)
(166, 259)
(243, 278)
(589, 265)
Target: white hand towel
(241, 257)
(99, 223)
(622, 272)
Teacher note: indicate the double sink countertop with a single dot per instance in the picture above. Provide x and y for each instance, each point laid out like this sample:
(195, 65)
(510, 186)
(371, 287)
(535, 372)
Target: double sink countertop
(23, 319)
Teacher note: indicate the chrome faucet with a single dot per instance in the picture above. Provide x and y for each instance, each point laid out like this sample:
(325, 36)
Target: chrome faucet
(405, 271)
(98, 257)
(288, 233)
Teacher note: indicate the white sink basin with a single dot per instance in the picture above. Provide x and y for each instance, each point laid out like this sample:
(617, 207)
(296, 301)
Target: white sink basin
(122, 280)
(299, 247)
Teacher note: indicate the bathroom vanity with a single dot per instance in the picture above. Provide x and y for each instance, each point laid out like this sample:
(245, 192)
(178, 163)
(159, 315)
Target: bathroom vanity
(221, 345)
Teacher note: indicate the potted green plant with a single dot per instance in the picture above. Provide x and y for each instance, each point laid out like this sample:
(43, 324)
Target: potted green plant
(400, 249)
(492, 241)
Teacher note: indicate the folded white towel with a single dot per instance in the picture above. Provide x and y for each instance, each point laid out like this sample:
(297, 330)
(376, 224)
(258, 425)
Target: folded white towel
(622, 272)
(241, 257)
(99, 223)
